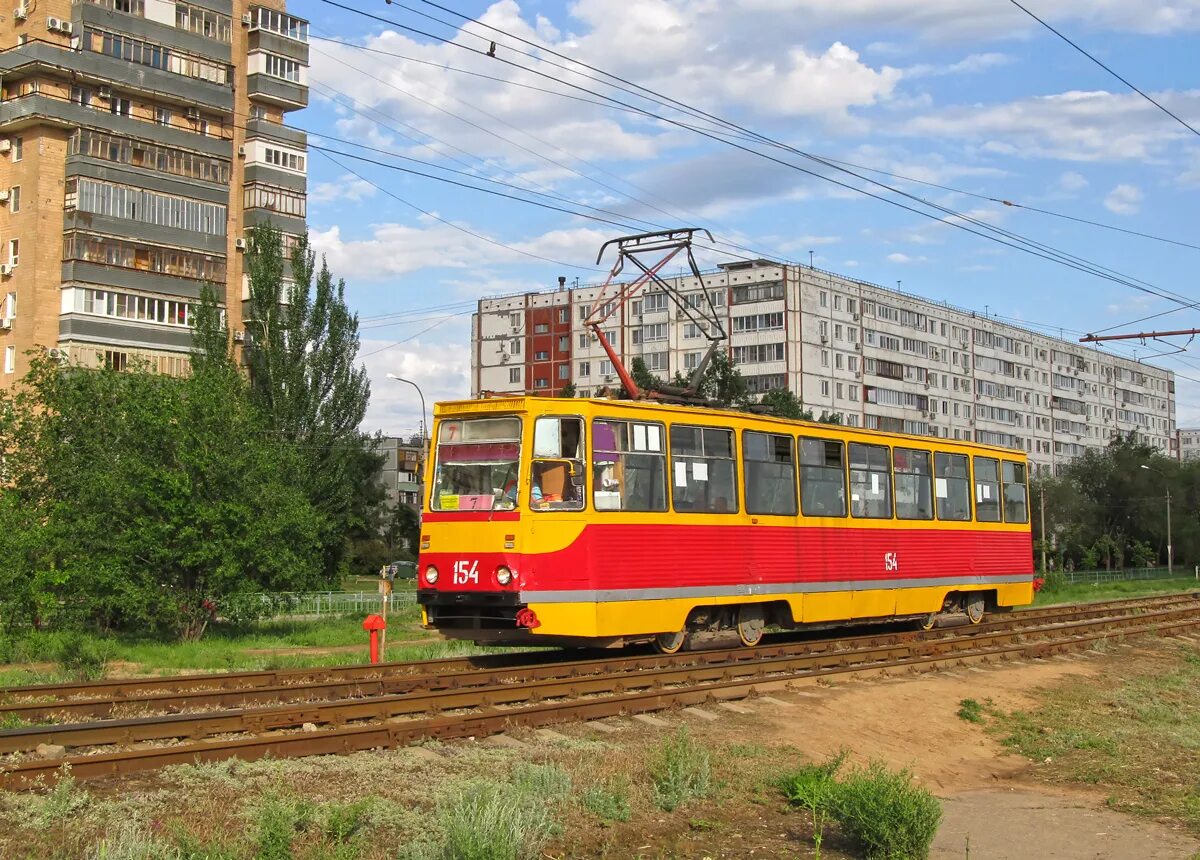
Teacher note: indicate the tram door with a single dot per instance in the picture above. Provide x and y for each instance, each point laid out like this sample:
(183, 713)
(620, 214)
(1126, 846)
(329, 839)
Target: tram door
(557, 494)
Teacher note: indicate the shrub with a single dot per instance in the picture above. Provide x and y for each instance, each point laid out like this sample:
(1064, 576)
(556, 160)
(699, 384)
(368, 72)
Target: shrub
(82, 656)
(342, 822)
(542, 781)
(608, 801)
(682, 771)
(133, 842)
(814, 788)
(485, 820)
(886, 813)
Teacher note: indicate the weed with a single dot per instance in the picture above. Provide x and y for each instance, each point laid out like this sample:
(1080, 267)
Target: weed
(63, 801)
(815, 788)
(970, 710)
(83, 657)
(682, 771)
(608, 801)
(342, 822)
(886, 813)
(12, 721)
(485, 820)
(133, 842)
(748, 750)
(542, 781)
(277, 821)
(702, 825)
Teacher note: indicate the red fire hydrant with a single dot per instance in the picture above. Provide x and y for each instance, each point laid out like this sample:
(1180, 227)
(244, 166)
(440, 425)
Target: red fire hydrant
(373, 624)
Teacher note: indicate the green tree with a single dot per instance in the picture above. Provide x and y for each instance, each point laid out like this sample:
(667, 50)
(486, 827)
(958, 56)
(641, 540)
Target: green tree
(642, 377)
(567, 390)
(723, 383)
(302, 354)
(155, 498)
(785, 404)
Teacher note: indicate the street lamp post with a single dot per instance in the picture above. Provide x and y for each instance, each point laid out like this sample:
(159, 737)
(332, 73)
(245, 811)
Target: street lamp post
(424, 426)
(1170, 564)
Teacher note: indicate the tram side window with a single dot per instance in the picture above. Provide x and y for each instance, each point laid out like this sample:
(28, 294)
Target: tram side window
(987, 490)
(702, 476)
(770, 474)
(870, 482)
(914, 487)
(1016, 509)
(822, 478)
(557, 471)
(952, 485)
(629, 466)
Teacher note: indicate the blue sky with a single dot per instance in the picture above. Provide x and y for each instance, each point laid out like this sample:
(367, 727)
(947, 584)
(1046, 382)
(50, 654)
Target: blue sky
(969, 94)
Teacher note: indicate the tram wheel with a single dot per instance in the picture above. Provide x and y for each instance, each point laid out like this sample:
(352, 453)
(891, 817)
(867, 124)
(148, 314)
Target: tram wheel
(751, 621)
(974, 605)
(929, 621)
(670, 643)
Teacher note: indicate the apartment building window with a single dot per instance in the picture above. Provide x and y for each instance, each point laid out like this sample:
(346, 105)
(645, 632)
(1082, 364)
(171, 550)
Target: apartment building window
(656, 361)
(541, 355)
(757, 293)
(514, 320)
(114, 360)
(16, 148)
(203, 22)
(691, 360)
(541, 382)
(283, 158)
(837, 302)
(149, 207)
(279, 22)
(824, 358)
(162, 115)
(10, 359)
(691, 331)
(564, 371)
(563, 315)
(282, 200)
(258, 112)
(838, 388)
(136, 153)
(106, 303)
(824, 387)
(281, 67)
(655, 302)
(147, 258)
(755, 353)
(514, 374)
(155, 56)
(823, 328)
(514, 347)
(650, 333)
(824, 299)
(14, 251)
(585, 368)
(583, 341)
(606, 368)
(541, 328)
(14, 199)
(10, 306)
(120, 107)
(758, 322)
(564, 344)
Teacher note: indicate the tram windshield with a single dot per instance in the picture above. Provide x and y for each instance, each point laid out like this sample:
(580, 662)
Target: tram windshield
(477, 460)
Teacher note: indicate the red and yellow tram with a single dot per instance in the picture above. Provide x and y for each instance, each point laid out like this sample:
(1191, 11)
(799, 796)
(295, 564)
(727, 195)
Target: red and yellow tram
(607, 522)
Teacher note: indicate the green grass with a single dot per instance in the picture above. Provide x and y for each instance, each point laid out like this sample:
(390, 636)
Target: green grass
(682, 771)
(1133, 732)
(1085, 591)
(262, 645)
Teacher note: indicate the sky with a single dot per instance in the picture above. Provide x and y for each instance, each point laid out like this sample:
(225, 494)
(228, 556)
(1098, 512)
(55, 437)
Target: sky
(971, 95)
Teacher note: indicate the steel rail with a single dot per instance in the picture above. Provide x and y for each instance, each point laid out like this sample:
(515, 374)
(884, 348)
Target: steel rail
(386, 682)
(346, 739)
(127, 688)
(518, 690)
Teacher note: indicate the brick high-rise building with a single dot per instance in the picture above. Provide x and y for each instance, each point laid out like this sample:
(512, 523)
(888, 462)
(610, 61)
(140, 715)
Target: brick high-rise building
(139, 140)
(876, 357)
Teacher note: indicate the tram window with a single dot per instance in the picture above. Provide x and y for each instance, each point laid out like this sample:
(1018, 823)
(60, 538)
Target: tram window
(987, 490)
(914, 485)
(557, 481)
(1016, 510)
(822, 478)
(477, 464)
(952, 486)
(629, 466)
(702, 470)
(770, 474)
(870, 482)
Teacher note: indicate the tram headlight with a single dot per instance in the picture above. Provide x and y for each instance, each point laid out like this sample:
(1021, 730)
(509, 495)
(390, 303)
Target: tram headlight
(431, 575)
(503, 575)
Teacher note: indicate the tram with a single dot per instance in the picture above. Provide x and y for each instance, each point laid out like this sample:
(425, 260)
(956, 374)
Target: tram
(599, 522)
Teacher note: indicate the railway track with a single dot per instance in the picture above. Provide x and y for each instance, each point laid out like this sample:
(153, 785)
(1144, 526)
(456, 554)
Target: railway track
(408, 702)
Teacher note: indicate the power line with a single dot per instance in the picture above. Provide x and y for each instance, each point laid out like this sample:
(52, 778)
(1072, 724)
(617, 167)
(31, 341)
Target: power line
(986, 231)
(1125, 81)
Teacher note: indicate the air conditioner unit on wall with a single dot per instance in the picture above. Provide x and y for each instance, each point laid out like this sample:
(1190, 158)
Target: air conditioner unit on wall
(104, 92)
(21, 12)
(239, 337)
(53, 24)
(4, 196)
(6, 269)
(6, 322)
(5, 145)
(66, 27)
(240, 244)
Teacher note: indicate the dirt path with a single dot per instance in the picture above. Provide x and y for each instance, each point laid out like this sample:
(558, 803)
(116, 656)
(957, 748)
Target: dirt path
(990, 798)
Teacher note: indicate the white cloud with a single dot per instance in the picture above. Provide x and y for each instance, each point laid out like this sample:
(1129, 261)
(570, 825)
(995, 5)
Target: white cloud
(348, 188)
(1125, 199)
(441, 369)
(903, 259)
(972, 64)
(1074, 126)
(1072, 182)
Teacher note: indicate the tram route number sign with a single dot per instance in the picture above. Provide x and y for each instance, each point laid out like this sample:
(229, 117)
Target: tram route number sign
(466, 571)
(891, 561)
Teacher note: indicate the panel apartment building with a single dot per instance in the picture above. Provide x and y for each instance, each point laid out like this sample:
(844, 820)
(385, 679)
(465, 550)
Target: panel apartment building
(139, 140)
(877, 357)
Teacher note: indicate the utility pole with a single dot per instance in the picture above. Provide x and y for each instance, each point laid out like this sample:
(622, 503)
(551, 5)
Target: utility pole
(1167, 482)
